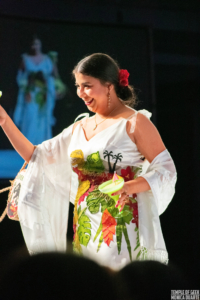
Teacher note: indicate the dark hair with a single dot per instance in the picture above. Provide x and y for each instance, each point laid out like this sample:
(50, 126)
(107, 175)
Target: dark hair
(159, 280)
(106, 69)
(56, 276)
(35, 37)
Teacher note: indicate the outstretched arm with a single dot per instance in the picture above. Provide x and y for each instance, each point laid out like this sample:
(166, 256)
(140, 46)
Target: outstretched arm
(17, 139)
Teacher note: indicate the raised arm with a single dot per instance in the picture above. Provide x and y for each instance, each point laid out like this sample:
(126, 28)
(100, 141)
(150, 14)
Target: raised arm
(17, 139)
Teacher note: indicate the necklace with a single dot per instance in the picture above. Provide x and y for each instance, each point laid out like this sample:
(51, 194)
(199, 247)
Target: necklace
(103, 119)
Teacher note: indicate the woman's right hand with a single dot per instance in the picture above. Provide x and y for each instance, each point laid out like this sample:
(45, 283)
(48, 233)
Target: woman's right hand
(3, 116)
(23, 146)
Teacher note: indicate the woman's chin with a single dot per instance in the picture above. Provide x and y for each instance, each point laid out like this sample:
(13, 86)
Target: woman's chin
(93, 108)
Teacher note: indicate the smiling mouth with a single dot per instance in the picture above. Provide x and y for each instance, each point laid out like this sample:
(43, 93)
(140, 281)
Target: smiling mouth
(89, 102)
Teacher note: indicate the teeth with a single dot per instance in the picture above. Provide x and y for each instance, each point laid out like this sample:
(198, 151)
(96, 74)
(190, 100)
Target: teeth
(89, 101)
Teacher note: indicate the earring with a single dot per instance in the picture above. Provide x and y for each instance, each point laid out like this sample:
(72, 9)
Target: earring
(108, 99)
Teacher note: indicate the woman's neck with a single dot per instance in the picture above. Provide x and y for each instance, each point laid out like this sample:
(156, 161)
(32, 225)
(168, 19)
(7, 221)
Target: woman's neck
(112, 111)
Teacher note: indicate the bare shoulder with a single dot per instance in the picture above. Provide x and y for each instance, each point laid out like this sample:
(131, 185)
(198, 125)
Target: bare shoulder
(142, 122)
(147, 137)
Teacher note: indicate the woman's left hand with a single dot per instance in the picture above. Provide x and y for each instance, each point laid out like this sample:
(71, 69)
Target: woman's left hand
(131, 187)
(123, 198)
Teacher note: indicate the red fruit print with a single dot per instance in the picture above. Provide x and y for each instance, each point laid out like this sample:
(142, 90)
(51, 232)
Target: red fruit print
(127, 174)
(95, 180)
(74, 229)
(109, 227)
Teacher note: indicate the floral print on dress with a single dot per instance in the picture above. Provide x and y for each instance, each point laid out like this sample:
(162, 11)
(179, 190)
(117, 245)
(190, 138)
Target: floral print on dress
(91, 173)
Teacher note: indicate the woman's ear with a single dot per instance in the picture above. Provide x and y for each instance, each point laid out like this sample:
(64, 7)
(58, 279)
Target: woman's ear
(110, 87)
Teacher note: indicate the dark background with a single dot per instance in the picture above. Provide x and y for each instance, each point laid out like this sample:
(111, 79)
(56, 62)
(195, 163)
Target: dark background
(169, 88)
(127, 44)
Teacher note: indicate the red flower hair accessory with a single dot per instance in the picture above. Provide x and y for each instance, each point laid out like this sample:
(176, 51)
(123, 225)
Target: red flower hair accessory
(123, 77)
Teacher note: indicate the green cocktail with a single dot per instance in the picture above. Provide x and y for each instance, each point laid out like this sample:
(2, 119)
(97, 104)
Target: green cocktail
(112, 186)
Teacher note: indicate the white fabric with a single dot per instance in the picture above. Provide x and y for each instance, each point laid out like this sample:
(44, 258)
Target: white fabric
(46, 191)
(85, 115)
(161, 176)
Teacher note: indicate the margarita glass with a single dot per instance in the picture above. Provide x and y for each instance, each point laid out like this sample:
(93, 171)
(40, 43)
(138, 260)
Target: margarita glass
(112, 186)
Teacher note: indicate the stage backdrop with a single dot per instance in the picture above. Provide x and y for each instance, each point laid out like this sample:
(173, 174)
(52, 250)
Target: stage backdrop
(70, 42)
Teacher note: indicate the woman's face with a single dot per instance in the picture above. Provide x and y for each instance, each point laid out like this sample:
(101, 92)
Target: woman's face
(92, 92)
(36, 45)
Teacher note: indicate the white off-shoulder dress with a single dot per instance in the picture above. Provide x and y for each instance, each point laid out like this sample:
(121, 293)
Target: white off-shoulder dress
(71, 168)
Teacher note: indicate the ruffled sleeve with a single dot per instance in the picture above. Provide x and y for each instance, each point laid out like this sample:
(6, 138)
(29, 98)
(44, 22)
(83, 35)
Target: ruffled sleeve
(45, 193)
(161, 176)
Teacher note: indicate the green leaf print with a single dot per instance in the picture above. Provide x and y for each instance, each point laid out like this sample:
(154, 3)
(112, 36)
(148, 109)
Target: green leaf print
(100, 242)
(137, 239)
(98, 232)
(127, 219)
(93, 202)
(127, 241)
(94, 163)
(142, 254)
(104, 205)
(114, 211)
(119, 230)
(79, 210)
(137, 171)
(84, 231)
(133, 200)
(95, 198)
(101, 236)
(121, 227)
(126, 216)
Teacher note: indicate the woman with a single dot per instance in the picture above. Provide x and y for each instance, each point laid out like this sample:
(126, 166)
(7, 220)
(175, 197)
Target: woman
(71, 166)
(36, 98)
